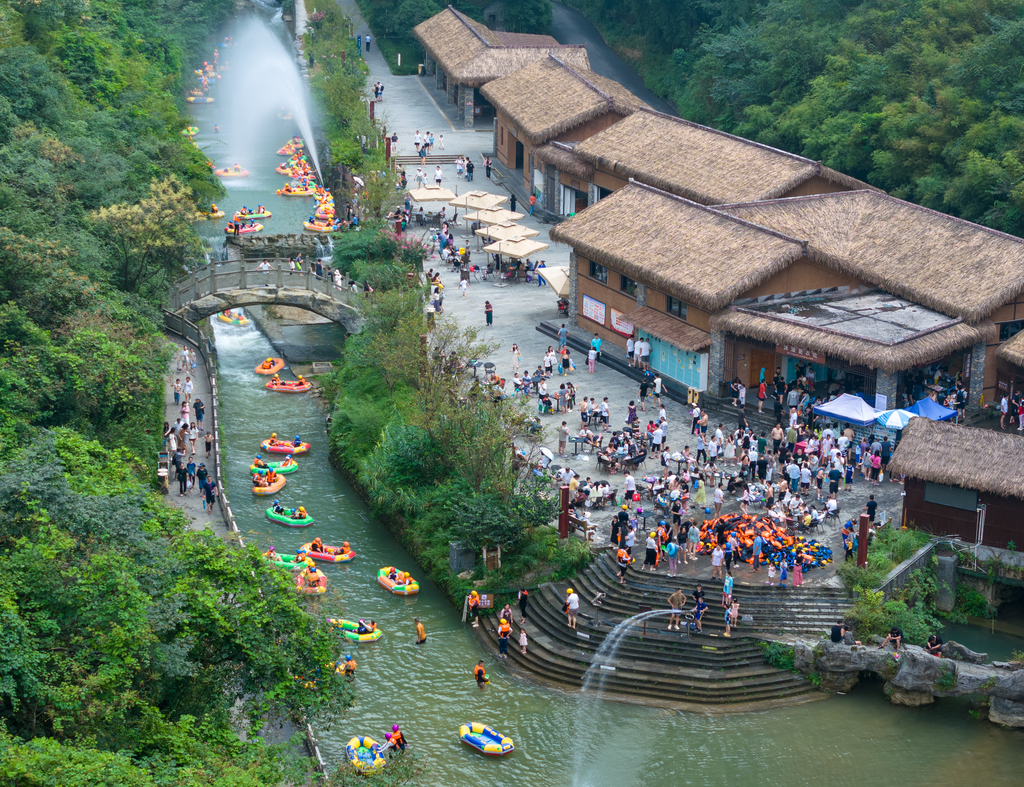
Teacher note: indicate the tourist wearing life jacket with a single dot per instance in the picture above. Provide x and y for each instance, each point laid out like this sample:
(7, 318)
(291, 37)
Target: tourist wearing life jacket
(393, 574)
(350, 667)
(271, 476)
(288, 461)
(480, 674)
(270, 553)
(258, 461)
(317, 545)
(474, 608)
(623, 560)
(273, 436)
(278, 508)
(299, 513)
(397, 738)
(296, 442)
(362, 628)
(504, 632)
(268, 363)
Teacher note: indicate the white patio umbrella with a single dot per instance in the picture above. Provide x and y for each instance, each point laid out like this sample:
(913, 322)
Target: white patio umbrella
(506, 230)
(895, 419)
(516, 248)
(478, 200)
(430, 194)
(493, 216)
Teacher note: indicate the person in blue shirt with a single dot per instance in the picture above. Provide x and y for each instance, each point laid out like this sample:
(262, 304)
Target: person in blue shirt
(758, 546)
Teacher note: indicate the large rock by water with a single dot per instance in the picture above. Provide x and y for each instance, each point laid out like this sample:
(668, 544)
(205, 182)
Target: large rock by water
(917, 677)
(281, 245)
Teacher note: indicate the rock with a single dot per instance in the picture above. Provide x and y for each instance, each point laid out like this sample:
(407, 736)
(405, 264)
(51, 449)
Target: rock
(280, 245)
(841, 682)
(1008, 712)
(919, 672)
(957, 652)
(1010, 665)
(465, 575)
(480, 583)
(898, 696)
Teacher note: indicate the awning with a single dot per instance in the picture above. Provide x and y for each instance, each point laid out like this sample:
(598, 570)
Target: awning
(557, 279)
(932, 410)
(668, 328)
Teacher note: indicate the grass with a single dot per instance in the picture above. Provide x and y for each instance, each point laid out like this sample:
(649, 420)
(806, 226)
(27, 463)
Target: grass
(391, 48)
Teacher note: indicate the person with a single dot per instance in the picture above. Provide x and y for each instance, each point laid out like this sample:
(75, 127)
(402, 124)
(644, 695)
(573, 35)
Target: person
(572, 606)
(367, 42)
(511, 202)
(849, 540)
(623, 560)
(871, 507)
(672, 552)
(717, 555)
(504, 632)
(698, 614)
(350, 667)
(177, 391)
(523, 603)
(200, 409)
(732, 617)
(474, 608)
(651, 556)
(487, 166)
(488, 312)
(838, 631)
(362, 628)
(480, 674)
(523, 642)
(397, 738)
(675, 603)
(894, 636)
(934, 645)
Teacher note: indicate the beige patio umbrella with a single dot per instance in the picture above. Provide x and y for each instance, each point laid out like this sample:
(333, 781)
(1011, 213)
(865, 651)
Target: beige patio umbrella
(517, 248)
(430, 194)
(506, 230)
(493, 216)
(478, 200)
(557, 279)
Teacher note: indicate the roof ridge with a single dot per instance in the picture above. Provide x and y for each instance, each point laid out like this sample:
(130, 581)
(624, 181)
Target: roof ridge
(722, 214)
(465, 21)
(608, 97)
(745, 141)
(879, 195)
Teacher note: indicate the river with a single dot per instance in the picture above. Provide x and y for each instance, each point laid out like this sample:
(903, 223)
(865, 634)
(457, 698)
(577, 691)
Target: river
(561, 738)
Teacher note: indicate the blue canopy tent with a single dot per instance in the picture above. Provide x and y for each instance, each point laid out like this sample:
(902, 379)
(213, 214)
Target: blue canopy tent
(932, 410)
(848, 408)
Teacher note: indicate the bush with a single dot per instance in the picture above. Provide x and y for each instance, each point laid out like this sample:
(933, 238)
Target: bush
(873, 616)
(778, 655)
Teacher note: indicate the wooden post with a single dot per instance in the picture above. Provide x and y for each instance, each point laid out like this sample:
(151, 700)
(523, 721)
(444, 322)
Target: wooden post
(280, 275)
(563, 513)
(640, 610)
(862, 542)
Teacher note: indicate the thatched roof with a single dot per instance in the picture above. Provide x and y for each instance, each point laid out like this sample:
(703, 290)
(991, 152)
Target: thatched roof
(560, 155)
(1013, 350)
(941, 452)
(701, 163)
(947, 264)
(550, 97)
(471, 54)
(692, 252)
(888, 356)
(668, 328)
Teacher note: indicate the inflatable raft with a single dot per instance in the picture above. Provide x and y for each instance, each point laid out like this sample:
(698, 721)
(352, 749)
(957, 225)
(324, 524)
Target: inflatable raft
(317, 227)
(231, 173)
(243, 230)
(273, 489)
(217, 214)
(284, 448)
(485, 739)
(276, 365)
(290, 192)
(199, 100)
(286, 519)
(277, 467)
(233, 318)
(364, 754)
(290, 562)
(288, 386)
(334, 555)
(311, 581)
(266, 214)
(406, 587)
(351, 630)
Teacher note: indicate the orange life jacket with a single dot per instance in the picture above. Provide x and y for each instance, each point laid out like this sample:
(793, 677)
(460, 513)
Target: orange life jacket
(505, 628)
(623, 556)
(479, 672)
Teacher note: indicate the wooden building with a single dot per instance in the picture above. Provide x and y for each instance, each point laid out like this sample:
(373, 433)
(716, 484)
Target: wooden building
(865, 289)
(464, 55)
(552, 101)
(962, 482)
(689, 160)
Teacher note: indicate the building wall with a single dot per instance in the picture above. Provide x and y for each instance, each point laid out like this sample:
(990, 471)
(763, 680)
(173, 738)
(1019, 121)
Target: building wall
(588, 129)
(999, 374)
(608, 295)
(1003, 522)
(505, 143)
(609, 181)
(803, 274)
(698, 318)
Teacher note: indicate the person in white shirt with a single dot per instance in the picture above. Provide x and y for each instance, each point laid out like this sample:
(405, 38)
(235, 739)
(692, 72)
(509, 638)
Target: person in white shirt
(629, 487)
(572, 606)
(630, 348)
(437, 175)
(719, 500)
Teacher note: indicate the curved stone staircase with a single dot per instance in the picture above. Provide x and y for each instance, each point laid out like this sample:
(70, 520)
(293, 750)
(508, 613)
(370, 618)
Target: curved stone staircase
(672, 669)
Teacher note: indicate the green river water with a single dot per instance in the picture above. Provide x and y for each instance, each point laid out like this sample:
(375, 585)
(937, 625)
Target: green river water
(561, 738)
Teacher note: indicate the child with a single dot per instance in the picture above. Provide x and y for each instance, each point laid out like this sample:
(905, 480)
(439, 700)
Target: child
(732, 617)
(209, 444)
(771, 575)
(782, 573)
(522, 640)
(177, 389)
(727, 590)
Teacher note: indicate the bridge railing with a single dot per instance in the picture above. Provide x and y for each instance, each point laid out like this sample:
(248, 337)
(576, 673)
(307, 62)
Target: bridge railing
(250, 274)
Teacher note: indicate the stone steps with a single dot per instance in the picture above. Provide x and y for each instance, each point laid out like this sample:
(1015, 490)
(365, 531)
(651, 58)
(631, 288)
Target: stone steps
(429, 161)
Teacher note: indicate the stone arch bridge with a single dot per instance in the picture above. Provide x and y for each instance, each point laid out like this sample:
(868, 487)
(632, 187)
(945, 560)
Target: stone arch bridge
(236, 284)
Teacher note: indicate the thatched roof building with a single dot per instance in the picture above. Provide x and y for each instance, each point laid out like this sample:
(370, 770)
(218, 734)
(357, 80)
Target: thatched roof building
(1013, 350)
(560, 156)
(700, 163)
(550, 97)
(692, 252)
(669, 329)
(947, 264)
(472, 55)
(960, 456)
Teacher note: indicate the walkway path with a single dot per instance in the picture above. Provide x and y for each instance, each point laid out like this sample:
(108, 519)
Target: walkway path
(520, 308)
(192, 503)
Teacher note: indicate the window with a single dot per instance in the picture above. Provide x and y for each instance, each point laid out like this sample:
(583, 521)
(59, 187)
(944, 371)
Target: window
(952, 496)
(599, 272)
(1007, 330)
(627, 285)
(675, 306)
(502, 133)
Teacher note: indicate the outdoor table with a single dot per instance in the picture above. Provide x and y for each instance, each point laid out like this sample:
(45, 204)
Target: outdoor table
(474, 365)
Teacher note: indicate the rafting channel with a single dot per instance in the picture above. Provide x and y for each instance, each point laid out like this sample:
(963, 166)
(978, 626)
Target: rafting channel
(561, 737)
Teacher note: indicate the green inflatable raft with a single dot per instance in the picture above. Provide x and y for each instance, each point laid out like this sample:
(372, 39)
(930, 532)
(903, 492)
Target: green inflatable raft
(276, 467)
(286, 519)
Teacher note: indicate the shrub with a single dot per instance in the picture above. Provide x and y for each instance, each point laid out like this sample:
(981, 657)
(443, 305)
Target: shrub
(778, 655)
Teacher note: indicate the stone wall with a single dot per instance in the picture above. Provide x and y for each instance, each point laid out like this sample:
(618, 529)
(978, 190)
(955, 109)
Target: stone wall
(284, 245)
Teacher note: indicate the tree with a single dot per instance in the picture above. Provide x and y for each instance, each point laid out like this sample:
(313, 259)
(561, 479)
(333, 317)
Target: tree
(151, 240)
(528, 16)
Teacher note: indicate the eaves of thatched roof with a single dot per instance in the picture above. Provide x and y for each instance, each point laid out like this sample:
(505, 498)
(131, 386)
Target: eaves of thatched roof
(942, 452)
(560, 156)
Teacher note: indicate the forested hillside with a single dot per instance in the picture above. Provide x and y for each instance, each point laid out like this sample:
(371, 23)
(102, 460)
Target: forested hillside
(923, 98)
(126, 641)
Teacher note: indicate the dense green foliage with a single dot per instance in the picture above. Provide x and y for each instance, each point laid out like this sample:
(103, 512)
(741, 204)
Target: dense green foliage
(887, 549)
(923, 98)
(432, 450)
(392, 22)
(872, 615)
(778, 654)
(132, 649)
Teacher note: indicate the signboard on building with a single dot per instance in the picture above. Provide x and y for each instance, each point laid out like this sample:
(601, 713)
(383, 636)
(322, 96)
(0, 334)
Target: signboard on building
(618, 324)
(593, 310)
(800, 352)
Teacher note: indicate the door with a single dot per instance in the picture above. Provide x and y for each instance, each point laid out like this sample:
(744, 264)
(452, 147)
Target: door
(520, 151)
(761, 359)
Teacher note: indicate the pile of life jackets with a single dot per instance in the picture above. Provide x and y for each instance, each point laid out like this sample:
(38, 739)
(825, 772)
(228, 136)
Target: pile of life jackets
(778, 544)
